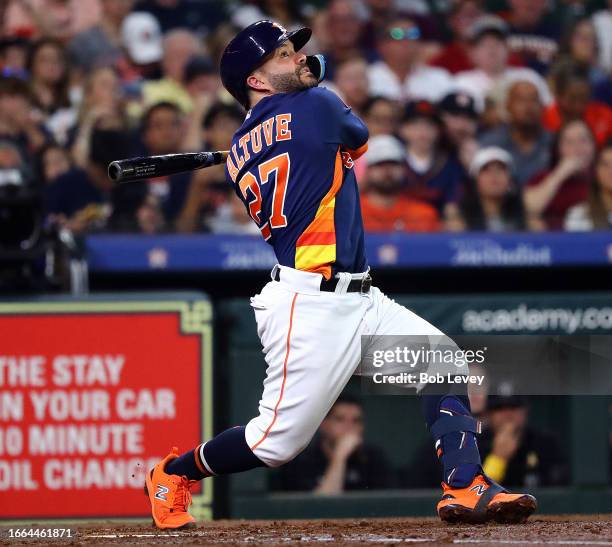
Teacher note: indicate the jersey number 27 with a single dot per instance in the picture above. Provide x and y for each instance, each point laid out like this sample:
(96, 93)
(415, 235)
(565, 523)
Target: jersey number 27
(280, 165)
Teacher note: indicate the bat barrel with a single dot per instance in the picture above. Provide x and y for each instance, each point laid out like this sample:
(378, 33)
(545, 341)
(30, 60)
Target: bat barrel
(157, 166)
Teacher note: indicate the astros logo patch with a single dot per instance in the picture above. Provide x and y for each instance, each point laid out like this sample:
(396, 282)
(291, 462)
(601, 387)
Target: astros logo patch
(161, 492)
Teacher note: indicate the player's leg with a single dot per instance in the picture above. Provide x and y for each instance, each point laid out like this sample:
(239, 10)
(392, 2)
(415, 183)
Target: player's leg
(395, 320)
(309, 364)
(311, 355)
(468, 494)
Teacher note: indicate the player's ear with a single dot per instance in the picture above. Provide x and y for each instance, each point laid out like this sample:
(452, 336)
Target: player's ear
(256, 81)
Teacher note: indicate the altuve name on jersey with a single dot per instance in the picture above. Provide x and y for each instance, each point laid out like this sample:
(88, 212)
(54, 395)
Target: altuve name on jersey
(263, 135)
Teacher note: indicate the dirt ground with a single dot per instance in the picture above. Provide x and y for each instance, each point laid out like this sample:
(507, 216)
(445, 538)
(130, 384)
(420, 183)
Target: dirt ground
(559, 530)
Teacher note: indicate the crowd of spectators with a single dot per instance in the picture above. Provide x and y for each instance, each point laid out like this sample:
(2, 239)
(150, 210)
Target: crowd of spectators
(483, 114)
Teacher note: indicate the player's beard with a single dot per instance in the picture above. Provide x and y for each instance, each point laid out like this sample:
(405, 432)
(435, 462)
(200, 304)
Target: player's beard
(292, 81)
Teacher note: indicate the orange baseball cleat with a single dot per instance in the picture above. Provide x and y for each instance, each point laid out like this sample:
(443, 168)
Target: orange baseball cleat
(482, 501)
(169, 496)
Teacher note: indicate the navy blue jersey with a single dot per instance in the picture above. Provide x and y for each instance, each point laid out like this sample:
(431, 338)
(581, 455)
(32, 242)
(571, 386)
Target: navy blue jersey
(291, 163)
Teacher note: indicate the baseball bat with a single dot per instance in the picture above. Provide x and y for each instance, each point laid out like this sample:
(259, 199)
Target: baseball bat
(146, 167)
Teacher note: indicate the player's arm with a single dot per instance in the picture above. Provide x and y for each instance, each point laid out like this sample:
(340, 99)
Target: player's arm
(338, 122)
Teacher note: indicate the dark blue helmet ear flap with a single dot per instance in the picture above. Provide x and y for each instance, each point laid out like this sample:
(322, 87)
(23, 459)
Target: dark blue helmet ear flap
(249, 48)
(316, 64)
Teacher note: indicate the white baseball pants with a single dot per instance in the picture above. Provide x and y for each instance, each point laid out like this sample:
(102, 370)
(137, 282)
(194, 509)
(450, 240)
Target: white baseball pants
(312, 345)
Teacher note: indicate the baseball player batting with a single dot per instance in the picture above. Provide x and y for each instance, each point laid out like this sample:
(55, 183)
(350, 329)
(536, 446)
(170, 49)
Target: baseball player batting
(291, 163)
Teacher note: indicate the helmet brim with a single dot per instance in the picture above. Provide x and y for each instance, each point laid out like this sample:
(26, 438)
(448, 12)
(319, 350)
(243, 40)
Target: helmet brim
(299, 38)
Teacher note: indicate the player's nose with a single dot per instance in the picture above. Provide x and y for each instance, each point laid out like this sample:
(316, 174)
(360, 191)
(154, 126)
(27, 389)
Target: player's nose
(300, 58)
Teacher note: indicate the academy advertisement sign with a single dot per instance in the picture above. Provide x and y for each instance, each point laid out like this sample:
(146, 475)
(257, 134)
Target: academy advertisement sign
(535, 313)
(92, 394)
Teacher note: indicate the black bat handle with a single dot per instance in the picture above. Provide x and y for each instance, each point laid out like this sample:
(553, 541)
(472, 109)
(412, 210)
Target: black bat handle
(159, 166)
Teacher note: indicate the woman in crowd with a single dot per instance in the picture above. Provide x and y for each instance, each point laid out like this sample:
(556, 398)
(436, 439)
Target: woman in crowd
(596, 212)
(49, 85)
(103, 124)
(580, 45)
(48, 75)
(434, 174)
(549, 195)
(491, 201)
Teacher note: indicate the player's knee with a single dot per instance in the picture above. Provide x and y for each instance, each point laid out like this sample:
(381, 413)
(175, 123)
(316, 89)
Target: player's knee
(282, 455)
(278, 446)
(277, 450)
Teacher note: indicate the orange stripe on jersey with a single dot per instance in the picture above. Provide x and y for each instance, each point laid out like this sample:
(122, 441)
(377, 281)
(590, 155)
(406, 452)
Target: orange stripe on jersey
(359, 151)
(318, 238)
(316, 248)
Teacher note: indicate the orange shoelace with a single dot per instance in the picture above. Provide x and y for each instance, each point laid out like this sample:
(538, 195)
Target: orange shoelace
(182, 500)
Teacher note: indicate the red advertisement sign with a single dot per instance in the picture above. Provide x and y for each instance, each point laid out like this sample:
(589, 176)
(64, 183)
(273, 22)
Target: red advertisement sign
(91, 395)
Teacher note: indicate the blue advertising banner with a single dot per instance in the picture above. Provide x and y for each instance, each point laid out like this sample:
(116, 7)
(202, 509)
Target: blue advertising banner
(139, 253)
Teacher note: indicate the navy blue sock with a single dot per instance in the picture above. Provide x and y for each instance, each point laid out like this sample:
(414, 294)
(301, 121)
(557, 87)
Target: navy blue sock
(437, 406)
(188, 465)
(228, 452)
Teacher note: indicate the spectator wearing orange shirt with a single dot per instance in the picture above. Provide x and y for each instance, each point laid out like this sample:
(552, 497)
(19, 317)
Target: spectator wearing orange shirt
(384, 207)
(572, 89)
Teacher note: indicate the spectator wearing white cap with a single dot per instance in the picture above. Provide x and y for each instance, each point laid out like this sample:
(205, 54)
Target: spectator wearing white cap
(491, 202)
(142, 42)
(142, 38)
(384, 204)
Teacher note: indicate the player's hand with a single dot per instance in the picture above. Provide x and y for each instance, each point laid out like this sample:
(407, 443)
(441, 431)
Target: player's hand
(347, 444)
(506, 441)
